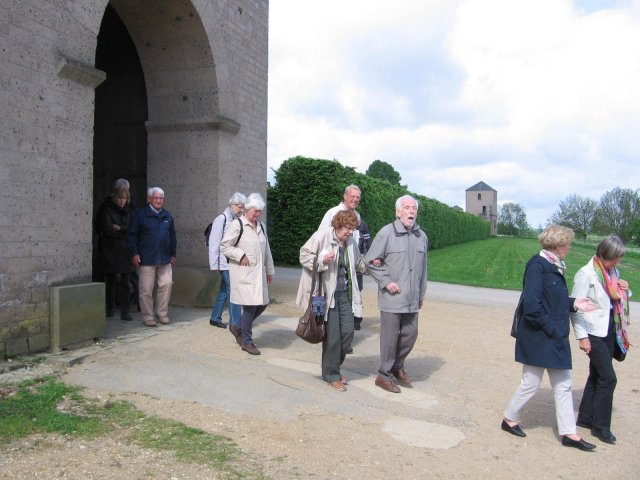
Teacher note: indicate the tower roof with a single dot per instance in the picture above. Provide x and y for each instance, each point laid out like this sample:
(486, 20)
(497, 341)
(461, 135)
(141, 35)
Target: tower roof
(480, 186)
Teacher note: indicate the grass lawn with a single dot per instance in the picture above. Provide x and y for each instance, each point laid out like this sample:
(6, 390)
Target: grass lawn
(499, 263)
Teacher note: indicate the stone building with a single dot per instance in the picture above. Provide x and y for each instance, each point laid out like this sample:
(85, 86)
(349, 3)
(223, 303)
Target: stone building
(169, 93)
(482, 200)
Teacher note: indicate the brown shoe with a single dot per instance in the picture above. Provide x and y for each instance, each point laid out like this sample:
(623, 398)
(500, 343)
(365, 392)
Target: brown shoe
(337, 385)
(251, 348)
(150, 323)
(164, 320)
(236, 333)
(403, 378)
(387, 385)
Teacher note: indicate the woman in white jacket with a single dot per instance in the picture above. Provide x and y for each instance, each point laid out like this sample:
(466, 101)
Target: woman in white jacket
(599, 330)
(246, 245)
(339, 258)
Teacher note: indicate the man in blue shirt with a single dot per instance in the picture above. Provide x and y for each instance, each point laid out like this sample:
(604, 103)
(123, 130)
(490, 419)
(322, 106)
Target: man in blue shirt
(152, 246)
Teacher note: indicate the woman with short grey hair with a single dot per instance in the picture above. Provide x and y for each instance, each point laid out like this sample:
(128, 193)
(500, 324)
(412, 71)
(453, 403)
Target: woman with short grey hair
(251, 269)
(218, 263)
(600, 331)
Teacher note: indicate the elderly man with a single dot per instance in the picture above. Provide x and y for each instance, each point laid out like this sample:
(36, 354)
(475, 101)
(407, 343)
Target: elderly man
(397, 260)
(152, 246)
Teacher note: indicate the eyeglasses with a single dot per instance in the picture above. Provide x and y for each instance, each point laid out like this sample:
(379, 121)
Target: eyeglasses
(157, 198)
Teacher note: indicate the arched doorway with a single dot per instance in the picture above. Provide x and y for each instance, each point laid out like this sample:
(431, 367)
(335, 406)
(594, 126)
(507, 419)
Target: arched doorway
(120, 137)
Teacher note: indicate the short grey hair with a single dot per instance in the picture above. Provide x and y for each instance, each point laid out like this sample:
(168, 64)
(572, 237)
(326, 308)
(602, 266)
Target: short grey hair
(256, 201)
(610, 248)
(121, 183)
(405, 197)
(153, 190)
(352, 187)
(237, 199)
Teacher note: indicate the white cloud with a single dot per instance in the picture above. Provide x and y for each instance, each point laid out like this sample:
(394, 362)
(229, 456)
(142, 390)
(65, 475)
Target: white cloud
(538, 99)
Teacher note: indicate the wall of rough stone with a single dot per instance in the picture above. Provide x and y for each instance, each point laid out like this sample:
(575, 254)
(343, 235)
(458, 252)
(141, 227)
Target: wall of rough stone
(205, 66)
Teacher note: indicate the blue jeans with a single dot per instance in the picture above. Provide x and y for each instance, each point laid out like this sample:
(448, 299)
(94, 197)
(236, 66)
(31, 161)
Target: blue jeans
(224, 296)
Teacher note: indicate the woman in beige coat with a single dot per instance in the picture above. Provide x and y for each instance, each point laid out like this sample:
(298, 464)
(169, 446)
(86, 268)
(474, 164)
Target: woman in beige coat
(246, 245)
(339, 258)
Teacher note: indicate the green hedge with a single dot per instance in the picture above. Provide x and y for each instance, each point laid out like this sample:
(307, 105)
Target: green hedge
(306, 188)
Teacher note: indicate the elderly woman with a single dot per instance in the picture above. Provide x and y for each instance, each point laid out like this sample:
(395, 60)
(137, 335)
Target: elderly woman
(113, 222)
(251, 270)
(599, 331)
(218, 263)
(339, 258)
(542, 338)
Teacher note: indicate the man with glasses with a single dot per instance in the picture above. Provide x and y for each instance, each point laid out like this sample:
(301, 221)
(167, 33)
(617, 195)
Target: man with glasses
(152, 246)
(219, 263)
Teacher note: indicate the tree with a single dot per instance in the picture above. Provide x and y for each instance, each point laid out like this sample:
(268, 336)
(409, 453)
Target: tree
(577, 213)
(616, 213)
(383, 171)
(512, 220)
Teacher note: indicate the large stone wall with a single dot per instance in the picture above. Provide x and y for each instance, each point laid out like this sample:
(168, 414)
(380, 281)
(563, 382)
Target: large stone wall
(205, 68)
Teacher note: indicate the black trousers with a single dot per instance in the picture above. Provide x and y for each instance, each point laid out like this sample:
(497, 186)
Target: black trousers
(117, 289)
(597, 399)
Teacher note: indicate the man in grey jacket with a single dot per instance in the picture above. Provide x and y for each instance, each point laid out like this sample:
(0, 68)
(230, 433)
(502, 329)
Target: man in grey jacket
(397, 261)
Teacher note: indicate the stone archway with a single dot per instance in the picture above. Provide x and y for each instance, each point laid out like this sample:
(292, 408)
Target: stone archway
(183, 122)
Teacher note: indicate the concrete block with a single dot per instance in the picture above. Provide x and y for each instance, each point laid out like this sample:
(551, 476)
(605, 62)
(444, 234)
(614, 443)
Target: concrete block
(16, 346)
(39, 342)
(194, 286)
(76, 314)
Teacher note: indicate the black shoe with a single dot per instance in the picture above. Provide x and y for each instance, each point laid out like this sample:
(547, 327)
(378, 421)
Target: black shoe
(356, 323)
(579, 444)
(582, 424)
(217, 324)
(126, 317)
(515, 430)
(350, 350)
(605, 436)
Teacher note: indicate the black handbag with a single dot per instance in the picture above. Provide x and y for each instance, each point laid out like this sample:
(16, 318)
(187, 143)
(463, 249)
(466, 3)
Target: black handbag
(311, 325)
(618, 354)
(517, 316)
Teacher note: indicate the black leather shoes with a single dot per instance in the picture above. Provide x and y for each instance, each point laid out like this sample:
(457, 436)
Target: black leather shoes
(579, 444)
(217, 324)
(604, 436)
(515, 430)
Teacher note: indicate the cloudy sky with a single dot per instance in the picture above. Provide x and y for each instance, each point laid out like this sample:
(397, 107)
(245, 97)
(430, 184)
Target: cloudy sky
(539, 99)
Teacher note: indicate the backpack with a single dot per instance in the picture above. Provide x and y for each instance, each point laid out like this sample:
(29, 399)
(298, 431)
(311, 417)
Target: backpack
(207, 231)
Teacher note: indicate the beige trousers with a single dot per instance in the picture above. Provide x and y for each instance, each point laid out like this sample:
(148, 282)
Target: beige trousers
(147, 278)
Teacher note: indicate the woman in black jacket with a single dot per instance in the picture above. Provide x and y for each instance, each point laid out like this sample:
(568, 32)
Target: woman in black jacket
(542, 341)
(115, 263)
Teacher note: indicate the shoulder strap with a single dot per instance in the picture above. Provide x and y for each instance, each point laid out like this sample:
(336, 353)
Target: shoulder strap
(241, 230)
(313, 276)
